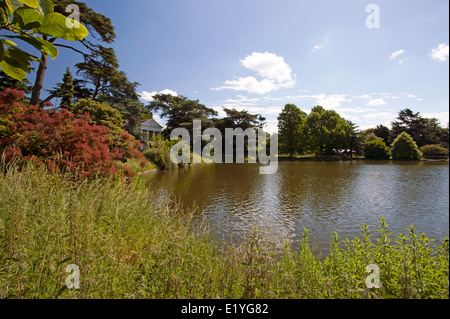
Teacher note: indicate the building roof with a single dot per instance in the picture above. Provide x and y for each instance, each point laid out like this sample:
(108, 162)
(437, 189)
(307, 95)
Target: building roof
(151, 123)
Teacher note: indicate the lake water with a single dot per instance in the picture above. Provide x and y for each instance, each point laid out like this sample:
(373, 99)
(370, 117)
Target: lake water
(323, 197)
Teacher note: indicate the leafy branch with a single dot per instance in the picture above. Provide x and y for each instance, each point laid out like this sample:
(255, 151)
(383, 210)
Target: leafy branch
(32, 21)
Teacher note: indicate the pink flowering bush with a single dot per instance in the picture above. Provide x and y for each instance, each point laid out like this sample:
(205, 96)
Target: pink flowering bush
(61, 139)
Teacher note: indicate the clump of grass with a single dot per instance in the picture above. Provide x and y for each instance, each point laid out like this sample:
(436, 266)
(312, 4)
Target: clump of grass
(135, 164)
(130, 243)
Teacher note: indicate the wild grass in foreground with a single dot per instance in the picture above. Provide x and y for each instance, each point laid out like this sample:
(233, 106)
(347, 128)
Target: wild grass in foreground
(129, 244)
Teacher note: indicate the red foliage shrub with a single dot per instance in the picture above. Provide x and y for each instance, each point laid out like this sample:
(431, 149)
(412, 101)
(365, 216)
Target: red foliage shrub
(61, 139)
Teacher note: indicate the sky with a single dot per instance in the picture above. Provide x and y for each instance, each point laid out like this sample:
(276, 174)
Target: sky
(367, 60)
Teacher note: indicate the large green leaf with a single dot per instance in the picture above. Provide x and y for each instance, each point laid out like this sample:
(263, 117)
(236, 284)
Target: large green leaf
(19, 58)
(27, 18)
(12, 71)
(16, 63)
(76, 33)
(30, 3)
(54, 25)
(38, 43)
(47, 47)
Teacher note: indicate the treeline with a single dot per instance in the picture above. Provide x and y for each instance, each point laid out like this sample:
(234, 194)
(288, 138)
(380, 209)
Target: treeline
(326, 133)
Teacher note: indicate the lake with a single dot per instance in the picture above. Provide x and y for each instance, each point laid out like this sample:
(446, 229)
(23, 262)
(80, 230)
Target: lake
(323, 197)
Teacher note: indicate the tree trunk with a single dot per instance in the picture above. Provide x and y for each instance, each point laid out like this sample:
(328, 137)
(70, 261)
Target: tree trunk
(39, 83)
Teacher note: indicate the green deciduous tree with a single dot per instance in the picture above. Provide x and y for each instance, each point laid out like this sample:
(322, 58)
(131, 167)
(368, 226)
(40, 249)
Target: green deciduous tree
(376, 149)
(292, 130)
(405, 148)
(328, 132)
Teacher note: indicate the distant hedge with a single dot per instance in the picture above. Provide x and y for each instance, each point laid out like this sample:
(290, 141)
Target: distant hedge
(434, 151)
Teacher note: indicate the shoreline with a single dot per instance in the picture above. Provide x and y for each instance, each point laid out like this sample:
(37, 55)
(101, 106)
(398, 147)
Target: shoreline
(157, 170)
(311, 159)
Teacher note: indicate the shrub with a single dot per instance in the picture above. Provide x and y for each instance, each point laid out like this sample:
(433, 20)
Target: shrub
(158, 152)
(434, 151)
(100, 114)
(376, 149)
(156, 156)
(404, 148)
(60, 140)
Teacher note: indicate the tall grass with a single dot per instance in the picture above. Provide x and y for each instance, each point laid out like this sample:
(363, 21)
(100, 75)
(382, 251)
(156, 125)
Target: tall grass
(130, 244)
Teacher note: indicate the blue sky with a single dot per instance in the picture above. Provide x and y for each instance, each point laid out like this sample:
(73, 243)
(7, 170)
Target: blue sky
(259, 55)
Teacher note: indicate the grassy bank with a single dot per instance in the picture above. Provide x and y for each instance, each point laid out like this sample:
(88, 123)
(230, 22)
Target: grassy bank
(129, 244)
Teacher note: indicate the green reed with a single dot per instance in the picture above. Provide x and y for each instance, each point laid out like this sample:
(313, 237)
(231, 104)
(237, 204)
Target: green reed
(130, 243)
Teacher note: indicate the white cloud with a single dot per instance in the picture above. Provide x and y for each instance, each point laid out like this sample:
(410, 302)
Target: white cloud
(396, 54)
(376, 102)
(440, 53)
(276, 74)
(148, 96)
(371, 101)
(269, 65)
(331, 101)
(249, 84)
